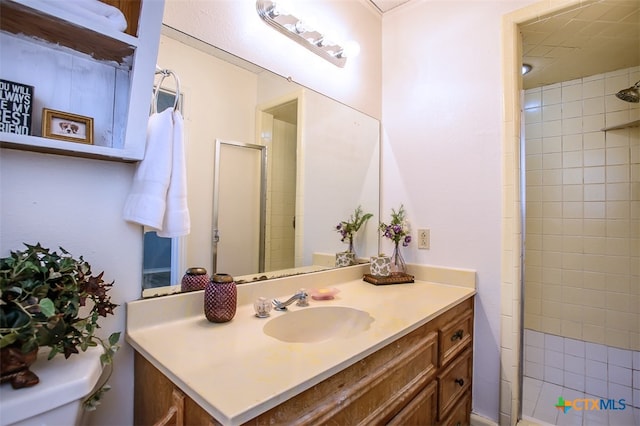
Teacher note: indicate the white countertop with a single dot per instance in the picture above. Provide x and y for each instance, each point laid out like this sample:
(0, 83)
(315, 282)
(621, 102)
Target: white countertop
(235, 371)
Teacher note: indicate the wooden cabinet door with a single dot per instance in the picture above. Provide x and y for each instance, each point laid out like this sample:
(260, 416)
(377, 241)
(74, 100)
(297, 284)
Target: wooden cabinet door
(453, 382)
(159, 402)
(153, 394)
(420, 411)
(460, 414)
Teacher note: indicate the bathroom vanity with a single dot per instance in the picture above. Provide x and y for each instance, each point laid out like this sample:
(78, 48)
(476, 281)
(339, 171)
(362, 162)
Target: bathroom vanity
(410, 364)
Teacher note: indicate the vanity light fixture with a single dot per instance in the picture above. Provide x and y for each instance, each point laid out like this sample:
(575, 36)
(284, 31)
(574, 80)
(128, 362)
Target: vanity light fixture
(297, 30)
(526, 68)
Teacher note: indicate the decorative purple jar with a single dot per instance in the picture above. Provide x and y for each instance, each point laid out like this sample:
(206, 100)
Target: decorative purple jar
(220, 298)
(194, 279)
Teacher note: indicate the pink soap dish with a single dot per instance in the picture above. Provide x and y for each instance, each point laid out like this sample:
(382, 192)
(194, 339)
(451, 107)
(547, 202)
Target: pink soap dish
(323, 293)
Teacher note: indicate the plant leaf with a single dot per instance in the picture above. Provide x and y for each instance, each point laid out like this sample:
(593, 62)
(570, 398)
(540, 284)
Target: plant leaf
(8, 339)
(47, 307)
(114, 338)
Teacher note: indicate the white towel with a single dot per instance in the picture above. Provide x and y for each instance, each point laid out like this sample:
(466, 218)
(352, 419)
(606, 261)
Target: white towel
(176, 216)
(158, 197)
(94, 10)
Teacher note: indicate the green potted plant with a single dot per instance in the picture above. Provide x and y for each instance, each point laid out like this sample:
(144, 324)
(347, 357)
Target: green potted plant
(50, 300)
(348, 228)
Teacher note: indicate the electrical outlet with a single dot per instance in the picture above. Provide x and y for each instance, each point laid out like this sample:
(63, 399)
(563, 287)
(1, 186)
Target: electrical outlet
(424, 237)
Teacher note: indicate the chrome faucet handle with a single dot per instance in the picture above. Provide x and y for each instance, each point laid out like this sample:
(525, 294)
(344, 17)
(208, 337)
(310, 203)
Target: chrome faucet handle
(278, 305)
(303, 299)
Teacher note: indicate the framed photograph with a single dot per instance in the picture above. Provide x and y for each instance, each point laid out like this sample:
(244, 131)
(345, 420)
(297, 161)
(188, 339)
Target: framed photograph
(66, 126)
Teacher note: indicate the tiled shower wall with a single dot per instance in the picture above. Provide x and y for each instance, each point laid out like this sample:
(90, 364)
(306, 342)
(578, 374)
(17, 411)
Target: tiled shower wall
(595, 369)
(582, 252)
(281, 196)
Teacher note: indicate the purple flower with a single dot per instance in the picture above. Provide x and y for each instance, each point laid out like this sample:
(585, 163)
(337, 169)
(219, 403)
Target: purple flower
(397, 230)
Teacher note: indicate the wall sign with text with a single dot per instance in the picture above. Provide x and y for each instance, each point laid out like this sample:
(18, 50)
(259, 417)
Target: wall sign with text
(16, 107)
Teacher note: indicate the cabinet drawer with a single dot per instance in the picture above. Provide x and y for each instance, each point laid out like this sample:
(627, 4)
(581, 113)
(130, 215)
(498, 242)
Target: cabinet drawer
(453, 382)
(454, 337)
(421, 410)
(371, 391)
(460, 414)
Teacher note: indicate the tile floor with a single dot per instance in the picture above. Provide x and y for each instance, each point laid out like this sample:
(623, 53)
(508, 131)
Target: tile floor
(540, 398)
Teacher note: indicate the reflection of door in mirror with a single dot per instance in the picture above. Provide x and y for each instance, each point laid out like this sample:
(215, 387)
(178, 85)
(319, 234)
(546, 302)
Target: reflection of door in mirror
(278, 131)
(241, 253)
(239, 194)
(159, 257)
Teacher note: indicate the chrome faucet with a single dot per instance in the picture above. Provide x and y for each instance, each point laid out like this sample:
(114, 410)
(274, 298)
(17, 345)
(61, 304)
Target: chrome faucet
(301, 296)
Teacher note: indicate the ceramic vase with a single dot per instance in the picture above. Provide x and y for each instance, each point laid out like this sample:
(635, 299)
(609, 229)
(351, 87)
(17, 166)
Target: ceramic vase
(14, 366)
(345, 258)
(220, 298)
(380, 266)
(194, 279)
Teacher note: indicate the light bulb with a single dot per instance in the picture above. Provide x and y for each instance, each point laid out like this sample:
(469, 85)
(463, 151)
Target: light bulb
(351, 49)
(302, 28)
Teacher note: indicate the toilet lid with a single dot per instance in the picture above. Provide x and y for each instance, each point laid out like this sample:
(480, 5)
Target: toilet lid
(61, 381)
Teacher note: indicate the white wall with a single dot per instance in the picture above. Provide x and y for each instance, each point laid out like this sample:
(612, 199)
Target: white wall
(76, 204)
(234, 26)
(442, 106)
(340, 145)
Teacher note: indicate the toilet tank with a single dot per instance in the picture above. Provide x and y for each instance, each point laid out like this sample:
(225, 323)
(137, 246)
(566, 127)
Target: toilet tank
(57, 399)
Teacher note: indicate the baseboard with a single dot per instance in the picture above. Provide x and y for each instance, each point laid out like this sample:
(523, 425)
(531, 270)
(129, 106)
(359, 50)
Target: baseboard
(477, 420)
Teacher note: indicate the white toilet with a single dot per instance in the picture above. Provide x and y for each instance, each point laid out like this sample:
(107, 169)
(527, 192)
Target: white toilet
(57, 399)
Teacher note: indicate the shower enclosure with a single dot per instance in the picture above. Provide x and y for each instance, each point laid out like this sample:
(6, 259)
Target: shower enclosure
(581, 291)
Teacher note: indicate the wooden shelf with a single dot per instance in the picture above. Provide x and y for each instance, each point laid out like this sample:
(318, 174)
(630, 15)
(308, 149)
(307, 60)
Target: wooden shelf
(40, 20)
(84, 66)
(73, 149)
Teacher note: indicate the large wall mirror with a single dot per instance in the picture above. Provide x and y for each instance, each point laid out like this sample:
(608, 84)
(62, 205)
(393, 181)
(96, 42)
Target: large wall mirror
(272, 168)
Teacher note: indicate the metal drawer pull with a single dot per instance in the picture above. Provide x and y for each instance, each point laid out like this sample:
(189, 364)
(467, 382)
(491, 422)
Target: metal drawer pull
(457, 335)
(459, 381)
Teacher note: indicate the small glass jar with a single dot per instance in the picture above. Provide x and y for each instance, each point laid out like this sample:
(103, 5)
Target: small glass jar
(194, 279)
(220, 298)
(262, 306)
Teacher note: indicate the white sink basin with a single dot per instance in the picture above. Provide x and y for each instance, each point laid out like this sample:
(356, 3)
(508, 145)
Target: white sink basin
(317, 324)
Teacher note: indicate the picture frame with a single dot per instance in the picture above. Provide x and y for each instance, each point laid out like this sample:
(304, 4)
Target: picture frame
(66, 126)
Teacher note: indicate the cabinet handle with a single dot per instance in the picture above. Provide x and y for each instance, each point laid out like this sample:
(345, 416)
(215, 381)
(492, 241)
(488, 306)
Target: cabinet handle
(459, 381)
(457, 335)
